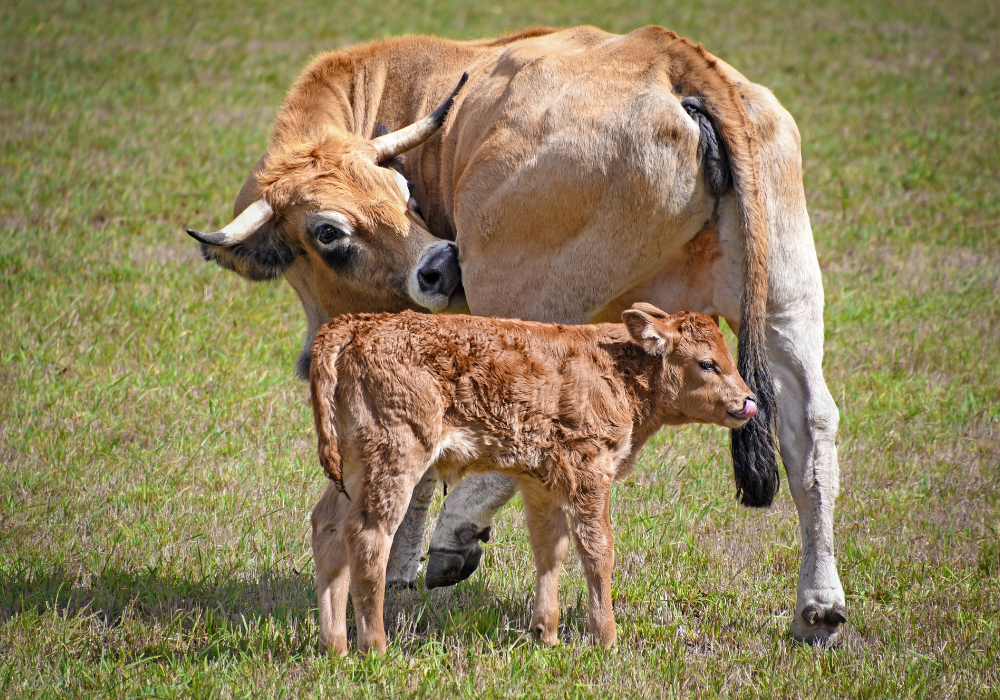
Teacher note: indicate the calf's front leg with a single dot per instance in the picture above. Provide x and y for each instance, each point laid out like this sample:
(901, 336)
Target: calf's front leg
(596, 544)
(549, 537)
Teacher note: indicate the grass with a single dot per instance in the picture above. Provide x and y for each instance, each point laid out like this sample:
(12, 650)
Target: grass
(158, 463)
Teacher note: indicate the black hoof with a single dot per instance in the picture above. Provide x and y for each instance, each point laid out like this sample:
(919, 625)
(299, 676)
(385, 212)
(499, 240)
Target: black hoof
(446, 567)
(400, 585)
(822, 625)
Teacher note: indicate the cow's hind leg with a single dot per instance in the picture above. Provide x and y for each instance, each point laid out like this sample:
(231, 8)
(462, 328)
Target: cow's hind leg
(807, 429)
(332, 574)
(549, 536)
(464, 522)
(807, 417)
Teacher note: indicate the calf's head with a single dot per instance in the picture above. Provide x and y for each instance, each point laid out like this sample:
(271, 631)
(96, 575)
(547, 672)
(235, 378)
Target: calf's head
(699, 380)
(327, 198)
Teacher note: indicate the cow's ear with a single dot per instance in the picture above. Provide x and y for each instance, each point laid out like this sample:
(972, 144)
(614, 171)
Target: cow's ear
(648, 332)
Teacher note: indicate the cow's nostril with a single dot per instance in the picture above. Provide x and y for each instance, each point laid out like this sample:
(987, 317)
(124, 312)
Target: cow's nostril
(430, 280)
(440, 273)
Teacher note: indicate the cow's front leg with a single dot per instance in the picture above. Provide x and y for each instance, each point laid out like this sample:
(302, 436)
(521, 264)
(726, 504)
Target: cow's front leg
(464, 522)
(807, 429)
(404, 557)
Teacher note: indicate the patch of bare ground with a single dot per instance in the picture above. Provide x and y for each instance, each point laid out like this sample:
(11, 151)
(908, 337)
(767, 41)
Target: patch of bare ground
(15, 222)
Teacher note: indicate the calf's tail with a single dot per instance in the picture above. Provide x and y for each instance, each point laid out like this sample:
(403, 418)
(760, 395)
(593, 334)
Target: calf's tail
(329, 343)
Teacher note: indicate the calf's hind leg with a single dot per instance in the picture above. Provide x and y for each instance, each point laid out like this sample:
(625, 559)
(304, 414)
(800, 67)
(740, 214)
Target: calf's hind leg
(371, 521)
(549, 537)
(332, 573)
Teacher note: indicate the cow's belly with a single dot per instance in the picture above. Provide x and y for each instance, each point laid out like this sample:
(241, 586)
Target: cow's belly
(565, 232)
(702, 275)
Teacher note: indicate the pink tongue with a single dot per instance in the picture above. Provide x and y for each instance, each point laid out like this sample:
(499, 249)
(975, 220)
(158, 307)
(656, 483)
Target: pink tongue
(749, 409)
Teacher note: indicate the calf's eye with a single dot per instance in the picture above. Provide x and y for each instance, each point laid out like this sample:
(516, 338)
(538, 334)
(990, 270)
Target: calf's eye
(707, 365)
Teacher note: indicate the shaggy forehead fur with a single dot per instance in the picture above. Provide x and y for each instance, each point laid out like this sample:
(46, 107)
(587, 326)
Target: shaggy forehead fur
(334, 166)
(699, 328)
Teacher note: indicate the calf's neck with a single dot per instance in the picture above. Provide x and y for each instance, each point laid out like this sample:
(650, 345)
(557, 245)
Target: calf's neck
(564, 410)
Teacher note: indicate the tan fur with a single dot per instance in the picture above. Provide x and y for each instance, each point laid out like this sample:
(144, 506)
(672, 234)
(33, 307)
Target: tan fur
(563, 410)
(319, 156)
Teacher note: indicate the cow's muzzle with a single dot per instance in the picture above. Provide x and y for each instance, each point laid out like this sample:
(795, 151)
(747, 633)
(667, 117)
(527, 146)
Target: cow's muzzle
(437, 277)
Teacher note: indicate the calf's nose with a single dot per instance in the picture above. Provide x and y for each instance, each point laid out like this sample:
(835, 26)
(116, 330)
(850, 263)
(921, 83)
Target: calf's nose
(749, 408)
(440, 273)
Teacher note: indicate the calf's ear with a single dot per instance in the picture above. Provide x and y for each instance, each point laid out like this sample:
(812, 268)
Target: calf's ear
(651, 310)
(654, 337)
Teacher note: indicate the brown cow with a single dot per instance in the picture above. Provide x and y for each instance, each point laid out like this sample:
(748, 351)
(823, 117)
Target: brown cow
(563, 410)
(576, 173)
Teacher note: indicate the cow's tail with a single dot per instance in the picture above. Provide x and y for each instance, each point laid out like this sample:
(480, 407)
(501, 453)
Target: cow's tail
(755, 445)
(329, 343)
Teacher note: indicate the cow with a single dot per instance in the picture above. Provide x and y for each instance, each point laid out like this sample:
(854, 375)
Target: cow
(561, 410)
(576, 173)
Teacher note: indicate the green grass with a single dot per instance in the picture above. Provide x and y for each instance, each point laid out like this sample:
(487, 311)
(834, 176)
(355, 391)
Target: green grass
(158, 461)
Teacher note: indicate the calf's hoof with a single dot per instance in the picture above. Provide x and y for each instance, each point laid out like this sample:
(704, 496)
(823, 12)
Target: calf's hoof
(547, 636)
(819, 624)
(448, 566)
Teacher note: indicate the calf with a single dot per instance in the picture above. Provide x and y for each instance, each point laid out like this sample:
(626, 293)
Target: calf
(564, 410)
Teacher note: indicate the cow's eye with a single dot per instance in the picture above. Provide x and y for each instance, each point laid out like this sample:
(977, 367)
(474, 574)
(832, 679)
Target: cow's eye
(327, 233)
(707, 365)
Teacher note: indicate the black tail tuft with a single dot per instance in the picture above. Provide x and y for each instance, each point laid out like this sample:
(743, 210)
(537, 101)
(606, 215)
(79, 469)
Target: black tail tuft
(755, 446)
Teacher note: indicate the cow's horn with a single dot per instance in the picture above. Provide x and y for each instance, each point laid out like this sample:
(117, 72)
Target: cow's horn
(411, 136)
(252, 218)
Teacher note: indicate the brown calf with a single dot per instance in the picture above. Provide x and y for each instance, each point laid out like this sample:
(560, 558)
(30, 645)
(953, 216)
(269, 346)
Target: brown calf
(563, 410)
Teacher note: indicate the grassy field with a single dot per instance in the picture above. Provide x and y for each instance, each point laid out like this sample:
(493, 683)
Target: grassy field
(158, 459)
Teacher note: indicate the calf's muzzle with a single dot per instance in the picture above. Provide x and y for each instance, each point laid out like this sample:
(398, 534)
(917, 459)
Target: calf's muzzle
(749, 409)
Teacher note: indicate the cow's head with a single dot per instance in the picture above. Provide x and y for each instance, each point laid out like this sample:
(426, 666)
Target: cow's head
(700, 382)
(327, 204)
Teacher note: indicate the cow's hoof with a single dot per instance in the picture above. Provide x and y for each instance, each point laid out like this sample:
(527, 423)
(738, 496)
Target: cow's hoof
(446, 567)
(400, 585)
(819, 624)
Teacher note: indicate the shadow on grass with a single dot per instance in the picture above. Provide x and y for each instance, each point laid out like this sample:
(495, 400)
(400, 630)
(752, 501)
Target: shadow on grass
(238, 608)
(154, 596)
